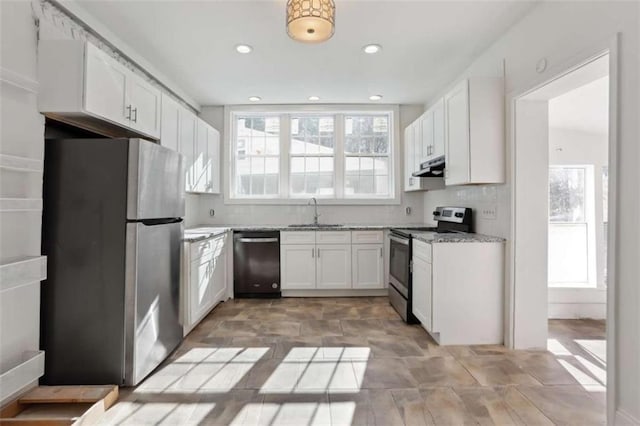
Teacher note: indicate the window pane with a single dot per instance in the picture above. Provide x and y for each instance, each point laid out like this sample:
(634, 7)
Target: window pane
(382, 185)
(366, 185)
(366, 166)
(568, 257)
(312, 135)
(382, 166)
(566, 194)
(256, 173)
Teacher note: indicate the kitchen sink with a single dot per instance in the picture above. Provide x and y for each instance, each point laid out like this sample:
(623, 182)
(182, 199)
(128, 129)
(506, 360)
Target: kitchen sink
(319, 225)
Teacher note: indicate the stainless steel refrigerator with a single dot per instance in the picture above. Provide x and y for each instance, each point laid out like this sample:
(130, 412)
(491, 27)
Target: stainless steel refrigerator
(112, 232)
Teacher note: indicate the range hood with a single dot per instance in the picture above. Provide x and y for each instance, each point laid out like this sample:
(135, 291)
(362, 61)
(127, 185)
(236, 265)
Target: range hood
(431, 168)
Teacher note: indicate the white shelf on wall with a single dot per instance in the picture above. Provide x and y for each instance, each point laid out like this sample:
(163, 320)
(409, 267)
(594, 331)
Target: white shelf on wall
(24, 271)
(20, 164)
(19, 377)
(20, 204)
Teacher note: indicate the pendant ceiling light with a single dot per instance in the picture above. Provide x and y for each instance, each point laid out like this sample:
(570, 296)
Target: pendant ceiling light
(311, 21)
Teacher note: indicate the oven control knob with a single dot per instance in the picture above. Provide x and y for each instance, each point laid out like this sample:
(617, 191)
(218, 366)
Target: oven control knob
(274, 285)
(436, 213)
(459, 214)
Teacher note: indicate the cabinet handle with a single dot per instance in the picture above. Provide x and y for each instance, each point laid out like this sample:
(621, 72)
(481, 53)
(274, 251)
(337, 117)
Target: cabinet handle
(318, 252)
(313, 252)
(128, 108)
(381, 255)
(135, 117)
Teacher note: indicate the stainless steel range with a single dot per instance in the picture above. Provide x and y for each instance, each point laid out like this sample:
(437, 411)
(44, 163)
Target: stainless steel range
(449, 219)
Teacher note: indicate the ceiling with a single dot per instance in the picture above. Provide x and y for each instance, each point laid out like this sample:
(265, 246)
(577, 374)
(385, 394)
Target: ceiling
(425, 44)
(585, 108)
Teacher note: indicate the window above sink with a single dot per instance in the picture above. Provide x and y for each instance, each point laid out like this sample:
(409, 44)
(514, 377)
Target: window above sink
(337, 154)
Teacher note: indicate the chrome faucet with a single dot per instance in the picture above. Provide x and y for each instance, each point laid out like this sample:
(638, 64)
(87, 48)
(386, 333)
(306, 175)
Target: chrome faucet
(315, 214)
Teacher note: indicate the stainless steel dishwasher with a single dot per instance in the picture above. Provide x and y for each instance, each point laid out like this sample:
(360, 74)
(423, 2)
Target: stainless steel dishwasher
(256, 264)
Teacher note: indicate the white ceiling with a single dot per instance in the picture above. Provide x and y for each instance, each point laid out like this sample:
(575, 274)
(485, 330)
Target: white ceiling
(426, 44)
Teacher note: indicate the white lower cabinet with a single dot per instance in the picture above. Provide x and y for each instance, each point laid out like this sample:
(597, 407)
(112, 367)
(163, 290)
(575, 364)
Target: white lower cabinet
(367, 263)
(204, 279)
(297, 266)
(459, 304)
(327, 260)
(422, 292)
(333, 266)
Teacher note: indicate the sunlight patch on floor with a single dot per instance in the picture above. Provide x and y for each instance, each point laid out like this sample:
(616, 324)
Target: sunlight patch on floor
(204, 370)
(319, 370)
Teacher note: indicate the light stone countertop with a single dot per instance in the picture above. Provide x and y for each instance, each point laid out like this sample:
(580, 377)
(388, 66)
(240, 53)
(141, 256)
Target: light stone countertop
(204, 232)
(455, 237)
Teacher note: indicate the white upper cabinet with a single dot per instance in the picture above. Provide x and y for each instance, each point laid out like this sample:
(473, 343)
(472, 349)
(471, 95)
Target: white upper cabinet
(170, 123)
(415, 152)
(105, 86)
(188, 124)
(213, 166)
(83, 85)
(438, 145)
(474, 130)
(143, 106)
(427, 135)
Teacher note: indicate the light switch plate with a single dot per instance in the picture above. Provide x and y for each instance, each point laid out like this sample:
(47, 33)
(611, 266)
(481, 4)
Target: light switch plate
(489, 212)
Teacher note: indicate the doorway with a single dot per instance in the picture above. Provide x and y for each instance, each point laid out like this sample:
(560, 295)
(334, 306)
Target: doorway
(563, 154)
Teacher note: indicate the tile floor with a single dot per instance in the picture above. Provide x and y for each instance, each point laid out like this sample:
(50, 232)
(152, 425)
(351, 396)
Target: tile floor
(351, 361)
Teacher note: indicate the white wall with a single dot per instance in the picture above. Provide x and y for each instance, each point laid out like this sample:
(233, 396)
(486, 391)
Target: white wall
(22, 135)
(557, 32)
(198, 206)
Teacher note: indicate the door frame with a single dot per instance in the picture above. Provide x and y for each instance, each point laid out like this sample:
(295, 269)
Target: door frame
(570, 63)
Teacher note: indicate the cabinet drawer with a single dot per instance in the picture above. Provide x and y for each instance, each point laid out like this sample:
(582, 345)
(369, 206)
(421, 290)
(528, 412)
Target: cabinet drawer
(421, 250)
(297, 237)
(366, 237)
(207, 249)
(333, 237)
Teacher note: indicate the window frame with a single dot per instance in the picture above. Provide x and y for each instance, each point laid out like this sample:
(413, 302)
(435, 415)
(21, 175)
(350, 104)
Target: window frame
(285, 112)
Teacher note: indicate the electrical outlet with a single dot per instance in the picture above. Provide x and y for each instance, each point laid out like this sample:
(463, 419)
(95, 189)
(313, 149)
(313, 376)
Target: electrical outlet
(407, 210)
(212, 212)
(489, 212)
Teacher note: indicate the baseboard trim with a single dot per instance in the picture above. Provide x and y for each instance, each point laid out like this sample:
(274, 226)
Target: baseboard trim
(624, 418)
(335, 293)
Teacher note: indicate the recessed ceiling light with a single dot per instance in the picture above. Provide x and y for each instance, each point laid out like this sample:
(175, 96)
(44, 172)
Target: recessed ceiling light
(314, 98)
(375, 97)
(255, 98)
(244, 48)
(372, 48)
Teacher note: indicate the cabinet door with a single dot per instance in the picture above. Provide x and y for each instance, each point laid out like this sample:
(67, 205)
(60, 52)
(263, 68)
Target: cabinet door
(200, 157)
(298, 266)
(417, 150)
(438, 143)
(187, 146)
(170, 123)
(457, 134)
(145, 106)
(201, 290)
(409, 153)
(427, 137)
(220, 248)
(421, 301)
(333, 270)
(367, 263)
(105, 86)
(213, 165)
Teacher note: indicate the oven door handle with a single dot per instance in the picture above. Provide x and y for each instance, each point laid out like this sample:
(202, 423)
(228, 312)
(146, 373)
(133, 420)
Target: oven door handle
(399, 240)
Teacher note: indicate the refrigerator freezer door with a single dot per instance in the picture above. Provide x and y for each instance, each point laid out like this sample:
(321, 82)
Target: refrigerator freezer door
(155, 189)
(152, 325)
